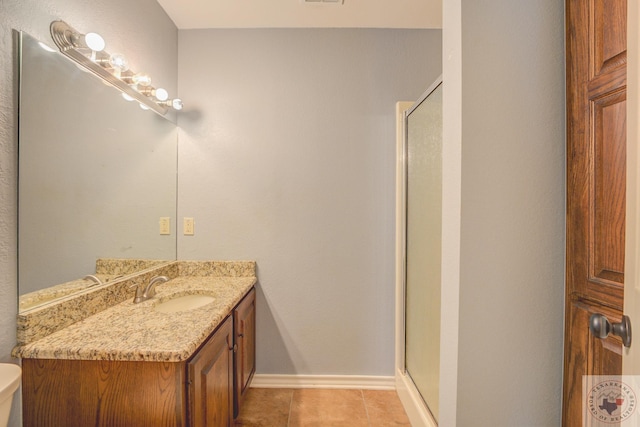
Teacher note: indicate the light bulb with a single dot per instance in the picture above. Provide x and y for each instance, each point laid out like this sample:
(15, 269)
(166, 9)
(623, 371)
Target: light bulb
(119, 62)
(144, 107)
(127, 96)
(177, 104)
(94, 41)
(141, 79)
(161, 94)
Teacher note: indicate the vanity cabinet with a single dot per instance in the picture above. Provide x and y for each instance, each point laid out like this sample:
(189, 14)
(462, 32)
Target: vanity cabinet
(205, 390)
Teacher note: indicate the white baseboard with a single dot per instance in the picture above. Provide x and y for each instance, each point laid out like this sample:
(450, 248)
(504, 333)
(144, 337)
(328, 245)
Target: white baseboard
(323, 381)
(414, 406)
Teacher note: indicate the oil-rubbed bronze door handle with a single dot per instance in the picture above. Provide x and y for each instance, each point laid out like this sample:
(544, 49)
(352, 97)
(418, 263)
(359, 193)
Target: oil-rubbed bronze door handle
(601, 328)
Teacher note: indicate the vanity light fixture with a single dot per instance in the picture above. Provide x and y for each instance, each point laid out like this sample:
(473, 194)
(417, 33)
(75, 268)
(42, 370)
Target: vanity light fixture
(176, 104)
(88, 51)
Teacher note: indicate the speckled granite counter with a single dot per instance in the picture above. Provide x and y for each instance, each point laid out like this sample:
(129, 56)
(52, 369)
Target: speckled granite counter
(51, 293)
(128, 331)
(38, 322)
(107, 270)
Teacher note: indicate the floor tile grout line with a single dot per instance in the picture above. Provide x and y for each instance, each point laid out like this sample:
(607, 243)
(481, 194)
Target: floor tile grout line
(366, 410)
(290, 406)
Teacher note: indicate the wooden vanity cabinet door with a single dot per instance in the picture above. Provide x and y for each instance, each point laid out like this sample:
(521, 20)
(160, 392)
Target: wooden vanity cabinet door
(59, 392)
(244, 318)
(210, 380)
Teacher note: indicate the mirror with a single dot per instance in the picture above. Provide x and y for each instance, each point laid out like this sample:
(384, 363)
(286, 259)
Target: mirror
(96, 174)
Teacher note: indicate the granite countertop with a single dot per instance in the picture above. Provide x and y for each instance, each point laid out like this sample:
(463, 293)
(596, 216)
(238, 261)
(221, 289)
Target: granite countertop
(32, 299)
(137, 332)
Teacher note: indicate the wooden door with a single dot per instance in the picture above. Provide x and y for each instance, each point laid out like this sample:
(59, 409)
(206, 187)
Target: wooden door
(631, 358)
(596, 173)
(210, 374)
(244, 318)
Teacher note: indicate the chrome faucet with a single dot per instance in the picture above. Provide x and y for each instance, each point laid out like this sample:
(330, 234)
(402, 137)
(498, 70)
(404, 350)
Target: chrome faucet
(93, 278)
(149, 291)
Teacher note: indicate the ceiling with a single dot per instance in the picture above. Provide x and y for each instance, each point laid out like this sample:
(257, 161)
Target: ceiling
(189, 14)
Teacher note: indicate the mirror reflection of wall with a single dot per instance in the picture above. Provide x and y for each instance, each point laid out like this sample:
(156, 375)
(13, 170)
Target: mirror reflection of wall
(96, 173)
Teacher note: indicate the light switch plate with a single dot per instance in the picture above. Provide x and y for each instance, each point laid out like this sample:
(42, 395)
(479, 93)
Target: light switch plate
(188, 226)
(165, 225)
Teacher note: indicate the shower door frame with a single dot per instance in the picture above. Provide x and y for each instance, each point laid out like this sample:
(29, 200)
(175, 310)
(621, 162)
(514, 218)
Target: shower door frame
(418, 412)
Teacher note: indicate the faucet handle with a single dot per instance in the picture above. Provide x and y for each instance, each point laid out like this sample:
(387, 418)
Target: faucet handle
(139, 294)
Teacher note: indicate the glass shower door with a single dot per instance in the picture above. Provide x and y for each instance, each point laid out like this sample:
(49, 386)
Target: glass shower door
(423, 156)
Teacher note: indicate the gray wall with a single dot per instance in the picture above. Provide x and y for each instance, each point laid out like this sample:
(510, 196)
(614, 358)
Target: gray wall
(289, 159)
(512, 230)
(150, 44)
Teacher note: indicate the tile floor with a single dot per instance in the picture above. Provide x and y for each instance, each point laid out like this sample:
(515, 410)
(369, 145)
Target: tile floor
(270, 407)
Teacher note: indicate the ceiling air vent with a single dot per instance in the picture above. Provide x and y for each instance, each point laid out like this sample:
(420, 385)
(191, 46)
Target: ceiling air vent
(323, 1)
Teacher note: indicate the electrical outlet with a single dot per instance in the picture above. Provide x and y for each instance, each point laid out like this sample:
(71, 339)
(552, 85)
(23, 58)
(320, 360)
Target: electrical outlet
(188, 226)
(165, 225)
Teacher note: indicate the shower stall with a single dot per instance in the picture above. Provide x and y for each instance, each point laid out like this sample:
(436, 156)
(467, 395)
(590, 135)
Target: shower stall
(419, 257)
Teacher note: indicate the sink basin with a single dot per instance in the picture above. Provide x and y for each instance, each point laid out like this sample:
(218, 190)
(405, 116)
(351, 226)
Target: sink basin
(184, 303)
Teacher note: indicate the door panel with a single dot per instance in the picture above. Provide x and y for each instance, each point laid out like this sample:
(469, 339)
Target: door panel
(589, 356)
(210, 385)
(423, 246)
(608, 201)
(609, 27)
(244, 318)
(596, 195)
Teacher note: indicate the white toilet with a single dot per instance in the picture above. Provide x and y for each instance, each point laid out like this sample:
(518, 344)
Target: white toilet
(9, 382)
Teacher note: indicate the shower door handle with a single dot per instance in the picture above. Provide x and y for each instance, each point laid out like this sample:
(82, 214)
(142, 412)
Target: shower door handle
(601, 328)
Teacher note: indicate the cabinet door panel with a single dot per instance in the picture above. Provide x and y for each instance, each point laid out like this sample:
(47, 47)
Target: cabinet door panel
(60, 392)
(211, 380)
(245, 357)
